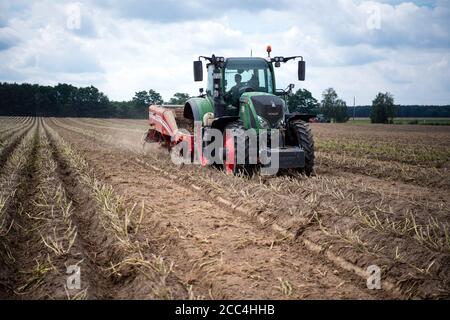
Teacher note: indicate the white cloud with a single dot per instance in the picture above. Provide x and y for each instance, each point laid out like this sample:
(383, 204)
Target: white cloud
(124, 47)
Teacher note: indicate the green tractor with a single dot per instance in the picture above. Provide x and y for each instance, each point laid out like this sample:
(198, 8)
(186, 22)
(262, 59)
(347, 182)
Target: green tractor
(240, 98)
(241, 94)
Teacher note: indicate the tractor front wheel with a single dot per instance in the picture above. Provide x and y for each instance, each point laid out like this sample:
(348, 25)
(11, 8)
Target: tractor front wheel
(303, 136)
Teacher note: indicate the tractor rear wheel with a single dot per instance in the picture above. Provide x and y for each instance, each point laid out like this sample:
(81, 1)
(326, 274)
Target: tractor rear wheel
(233, 133)
(304, 138)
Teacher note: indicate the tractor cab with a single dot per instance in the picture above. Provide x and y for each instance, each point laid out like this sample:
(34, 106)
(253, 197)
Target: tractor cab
(242, 75)
(241, 88)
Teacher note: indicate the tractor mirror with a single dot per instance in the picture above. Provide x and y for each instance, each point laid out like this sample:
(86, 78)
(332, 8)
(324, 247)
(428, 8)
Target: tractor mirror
(301, 70)
(198, 71)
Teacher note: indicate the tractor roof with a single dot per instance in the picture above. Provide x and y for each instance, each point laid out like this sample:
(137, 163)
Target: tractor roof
(246, 62)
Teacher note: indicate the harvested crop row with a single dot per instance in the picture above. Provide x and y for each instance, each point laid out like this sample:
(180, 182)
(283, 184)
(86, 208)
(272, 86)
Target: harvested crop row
(390, 171)
(126, 141)
(13, 178)
(102, 124)
(10, 132)
(228, 226)
(50, 245)
(430, 155)
(8, 126)
(384, 134)
(129, 267)
(329, 214)
(46, 242)
(412, 246)
(7, 123)
(11, 141)
(327, 161)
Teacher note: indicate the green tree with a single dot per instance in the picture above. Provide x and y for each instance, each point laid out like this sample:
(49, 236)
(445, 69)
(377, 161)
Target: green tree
(147, 98)
(302, 101)
(142, 100)
(383, 108)
(332, 107)
(179, 98)
(154, 97)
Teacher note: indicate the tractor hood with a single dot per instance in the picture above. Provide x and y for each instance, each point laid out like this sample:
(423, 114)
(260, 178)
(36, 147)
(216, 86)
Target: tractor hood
(267, 109)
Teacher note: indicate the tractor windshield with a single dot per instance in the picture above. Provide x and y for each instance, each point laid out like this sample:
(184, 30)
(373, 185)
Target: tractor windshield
(247, 74)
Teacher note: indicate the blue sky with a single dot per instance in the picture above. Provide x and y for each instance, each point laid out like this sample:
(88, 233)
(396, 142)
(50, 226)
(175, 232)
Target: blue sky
(357, 47)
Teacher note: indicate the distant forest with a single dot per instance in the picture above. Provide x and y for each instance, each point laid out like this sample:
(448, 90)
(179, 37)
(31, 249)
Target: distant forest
(406, 111)
(65, 100)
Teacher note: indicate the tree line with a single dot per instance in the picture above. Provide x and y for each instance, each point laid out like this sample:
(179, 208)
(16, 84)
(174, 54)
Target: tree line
(406, 111)
(65, 100)
(382, 110)
(331, 106)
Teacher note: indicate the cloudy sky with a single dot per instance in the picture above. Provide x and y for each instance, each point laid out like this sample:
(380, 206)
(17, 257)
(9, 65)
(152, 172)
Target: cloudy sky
(358, 47)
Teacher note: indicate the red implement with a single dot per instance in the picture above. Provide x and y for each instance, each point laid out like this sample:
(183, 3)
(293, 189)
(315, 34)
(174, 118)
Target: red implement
(164, 128)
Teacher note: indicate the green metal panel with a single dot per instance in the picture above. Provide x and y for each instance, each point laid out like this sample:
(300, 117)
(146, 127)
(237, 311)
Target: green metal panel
(247, 112)
(200, 106)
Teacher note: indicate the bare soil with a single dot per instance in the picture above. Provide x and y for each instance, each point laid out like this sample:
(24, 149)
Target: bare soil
(148, 229)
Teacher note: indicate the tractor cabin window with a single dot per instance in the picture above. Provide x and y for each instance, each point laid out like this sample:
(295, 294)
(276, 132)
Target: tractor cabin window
(254, 74)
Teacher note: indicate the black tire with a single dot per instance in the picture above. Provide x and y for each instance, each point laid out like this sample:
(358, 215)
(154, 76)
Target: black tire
(303, 136)
(239, 130)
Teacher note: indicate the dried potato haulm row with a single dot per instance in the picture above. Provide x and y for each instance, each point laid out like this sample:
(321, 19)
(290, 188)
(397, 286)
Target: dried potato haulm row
(242, 260)
(408, 238)
(51, 236)
(11, 138)
(129, 267)
(13, 177)
(54, 214)
(8, 124)
(402, 227)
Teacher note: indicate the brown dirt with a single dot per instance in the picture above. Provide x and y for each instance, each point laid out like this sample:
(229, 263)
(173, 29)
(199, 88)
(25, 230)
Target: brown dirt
(190, 245)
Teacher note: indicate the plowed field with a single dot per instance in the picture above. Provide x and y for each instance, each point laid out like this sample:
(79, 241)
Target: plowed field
(82, 192)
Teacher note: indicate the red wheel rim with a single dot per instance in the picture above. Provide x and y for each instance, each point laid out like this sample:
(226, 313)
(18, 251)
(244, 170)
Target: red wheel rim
(203, 161)
(230, 162)
(201, 157)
